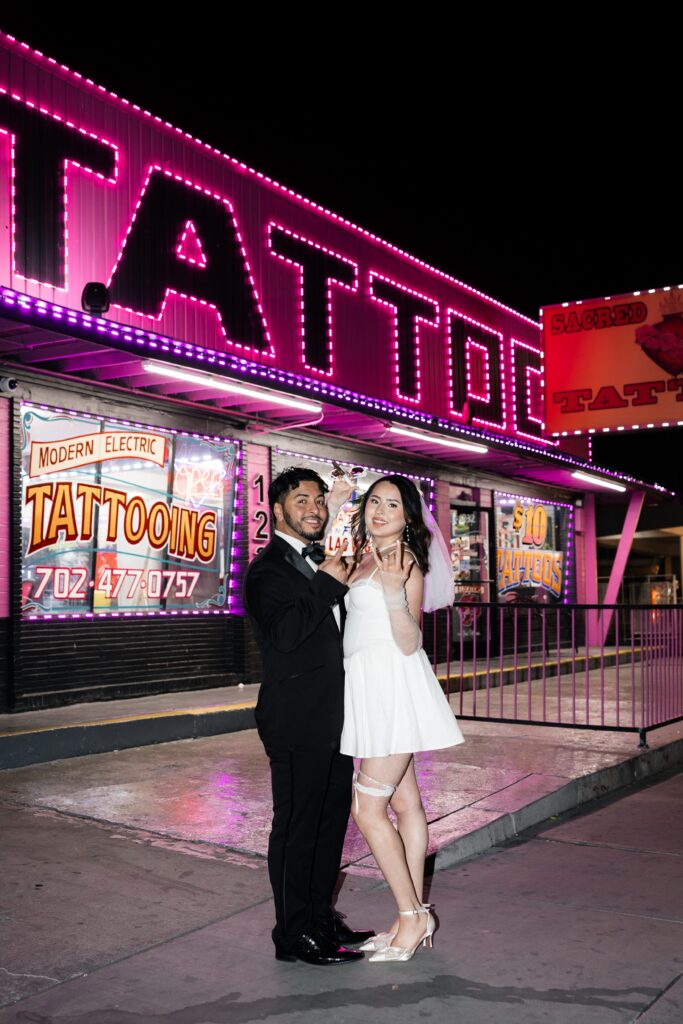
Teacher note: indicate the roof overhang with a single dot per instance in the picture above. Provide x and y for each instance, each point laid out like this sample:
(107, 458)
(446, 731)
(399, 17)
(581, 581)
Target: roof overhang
(42, 338)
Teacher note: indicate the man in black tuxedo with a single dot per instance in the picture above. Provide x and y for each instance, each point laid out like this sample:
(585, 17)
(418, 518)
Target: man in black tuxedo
(295, 598)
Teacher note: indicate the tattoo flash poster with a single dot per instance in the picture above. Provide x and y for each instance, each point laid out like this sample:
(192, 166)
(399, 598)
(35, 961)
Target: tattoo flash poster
(532, 549)
(122, 518)
(339, 535)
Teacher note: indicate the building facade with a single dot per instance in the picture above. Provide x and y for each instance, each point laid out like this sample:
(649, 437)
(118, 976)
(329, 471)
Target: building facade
(175, 328)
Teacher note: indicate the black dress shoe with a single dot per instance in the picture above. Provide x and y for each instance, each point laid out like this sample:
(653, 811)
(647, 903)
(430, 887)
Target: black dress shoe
(315, 948)
(339, 932)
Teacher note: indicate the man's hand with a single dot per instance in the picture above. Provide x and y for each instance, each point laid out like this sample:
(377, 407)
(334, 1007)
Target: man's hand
(335, 565)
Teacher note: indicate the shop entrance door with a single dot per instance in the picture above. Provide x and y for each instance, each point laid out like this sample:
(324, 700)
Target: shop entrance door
(470, 556)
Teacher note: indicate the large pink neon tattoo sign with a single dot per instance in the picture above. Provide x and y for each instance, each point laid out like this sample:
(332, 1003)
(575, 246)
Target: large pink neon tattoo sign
(155, 240)
(207, 252)
(467, 339)
(319, 270)
(57, 146)
(189, 246)
(409, 310)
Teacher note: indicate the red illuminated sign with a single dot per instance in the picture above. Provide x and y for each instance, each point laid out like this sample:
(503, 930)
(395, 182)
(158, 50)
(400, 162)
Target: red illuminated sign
(613, 364)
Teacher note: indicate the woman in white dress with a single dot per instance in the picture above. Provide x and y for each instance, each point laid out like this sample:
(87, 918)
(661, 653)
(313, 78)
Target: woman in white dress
(394, 705)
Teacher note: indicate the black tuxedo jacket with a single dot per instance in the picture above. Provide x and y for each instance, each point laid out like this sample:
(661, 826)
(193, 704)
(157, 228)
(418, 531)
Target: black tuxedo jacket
(301, 700)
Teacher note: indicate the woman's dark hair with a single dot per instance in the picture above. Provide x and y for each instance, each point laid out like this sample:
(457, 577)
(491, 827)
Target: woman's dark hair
(412, 510)
(290, 478)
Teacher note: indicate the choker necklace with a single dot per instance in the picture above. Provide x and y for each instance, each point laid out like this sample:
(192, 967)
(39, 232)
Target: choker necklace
(387, 548)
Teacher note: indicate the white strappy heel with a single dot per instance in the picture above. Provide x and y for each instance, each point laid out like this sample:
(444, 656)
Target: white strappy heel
(383, 939)
(399, 954)
(377, 942)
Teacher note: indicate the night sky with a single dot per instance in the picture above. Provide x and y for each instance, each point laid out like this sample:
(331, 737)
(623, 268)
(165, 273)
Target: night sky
(530, 210)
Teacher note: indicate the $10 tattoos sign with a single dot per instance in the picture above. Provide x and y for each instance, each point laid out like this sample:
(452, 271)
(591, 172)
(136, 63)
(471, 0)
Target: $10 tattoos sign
(120, 518)
(533, 540)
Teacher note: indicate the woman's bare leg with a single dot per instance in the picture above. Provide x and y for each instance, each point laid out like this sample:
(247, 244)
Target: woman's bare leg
(370, 814)
(412, 825)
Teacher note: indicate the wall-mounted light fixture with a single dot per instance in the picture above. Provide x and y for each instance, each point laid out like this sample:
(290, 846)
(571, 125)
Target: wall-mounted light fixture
(446, 442)
(216, 383)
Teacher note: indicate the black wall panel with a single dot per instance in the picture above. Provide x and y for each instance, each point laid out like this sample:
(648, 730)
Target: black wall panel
(5, 696)
(70, 661)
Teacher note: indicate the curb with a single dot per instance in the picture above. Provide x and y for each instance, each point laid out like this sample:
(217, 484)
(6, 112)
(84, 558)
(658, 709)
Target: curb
(18, 750)
(529, 673)
(574, 794)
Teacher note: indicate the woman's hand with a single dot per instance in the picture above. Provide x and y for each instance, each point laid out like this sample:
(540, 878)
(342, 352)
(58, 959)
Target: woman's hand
(394, 566)
(402, 595)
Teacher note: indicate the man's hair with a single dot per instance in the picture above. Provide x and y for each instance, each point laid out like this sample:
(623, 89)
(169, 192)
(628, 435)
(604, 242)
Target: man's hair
(290, 478)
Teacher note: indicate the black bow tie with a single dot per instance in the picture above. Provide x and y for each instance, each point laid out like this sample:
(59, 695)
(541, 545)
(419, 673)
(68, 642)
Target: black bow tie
(314, 552)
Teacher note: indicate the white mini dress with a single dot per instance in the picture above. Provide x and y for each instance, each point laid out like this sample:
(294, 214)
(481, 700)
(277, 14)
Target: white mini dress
(393, 703)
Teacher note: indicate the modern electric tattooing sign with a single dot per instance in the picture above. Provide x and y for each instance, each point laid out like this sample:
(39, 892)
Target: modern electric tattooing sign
(615, 363)
(121, 519)
(219, 267)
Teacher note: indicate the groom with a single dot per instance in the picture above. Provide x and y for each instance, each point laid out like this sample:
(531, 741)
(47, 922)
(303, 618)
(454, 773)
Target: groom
(295, 598)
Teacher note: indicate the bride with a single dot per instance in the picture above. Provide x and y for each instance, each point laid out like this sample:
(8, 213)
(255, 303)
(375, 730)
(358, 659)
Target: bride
(394, 705)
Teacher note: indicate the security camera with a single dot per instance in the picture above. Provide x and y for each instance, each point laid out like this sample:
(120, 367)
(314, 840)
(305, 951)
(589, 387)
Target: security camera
(8, 385)
(95, 298)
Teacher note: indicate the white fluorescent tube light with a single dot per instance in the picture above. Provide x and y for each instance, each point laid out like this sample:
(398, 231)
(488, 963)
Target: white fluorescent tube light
(609, 484)
(465, 446)
(221, 384)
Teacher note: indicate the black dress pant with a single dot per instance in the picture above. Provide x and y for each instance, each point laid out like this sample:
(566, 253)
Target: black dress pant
(311, 803)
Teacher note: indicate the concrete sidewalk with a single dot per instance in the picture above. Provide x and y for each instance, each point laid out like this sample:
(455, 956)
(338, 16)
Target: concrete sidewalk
(147, 864)
(505, 778)
(34, 737)
(580, 920)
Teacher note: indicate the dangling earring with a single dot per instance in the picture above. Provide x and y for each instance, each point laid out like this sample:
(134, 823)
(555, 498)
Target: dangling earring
(406, 534)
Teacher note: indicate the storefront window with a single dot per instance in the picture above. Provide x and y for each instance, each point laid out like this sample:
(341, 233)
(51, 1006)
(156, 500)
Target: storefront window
(123, 518)
(470, 559)
(534, 549)
(470, 554)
